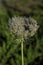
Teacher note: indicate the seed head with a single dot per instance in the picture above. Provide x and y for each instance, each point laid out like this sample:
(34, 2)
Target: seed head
(22, 26)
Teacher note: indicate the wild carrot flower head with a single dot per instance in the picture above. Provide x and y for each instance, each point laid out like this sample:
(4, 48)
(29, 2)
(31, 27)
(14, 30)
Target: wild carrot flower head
(22, 26)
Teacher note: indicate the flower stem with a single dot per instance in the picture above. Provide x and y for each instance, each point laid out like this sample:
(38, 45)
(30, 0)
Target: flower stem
(22, 52)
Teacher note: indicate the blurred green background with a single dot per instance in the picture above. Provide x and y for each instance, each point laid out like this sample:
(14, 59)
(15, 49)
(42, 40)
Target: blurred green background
(10, 51)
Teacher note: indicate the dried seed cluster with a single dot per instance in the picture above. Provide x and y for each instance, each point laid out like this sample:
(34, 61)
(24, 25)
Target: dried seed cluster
(23, 26)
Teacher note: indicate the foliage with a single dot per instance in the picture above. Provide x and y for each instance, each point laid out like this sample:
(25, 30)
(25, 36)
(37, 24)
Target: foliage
(10, 48)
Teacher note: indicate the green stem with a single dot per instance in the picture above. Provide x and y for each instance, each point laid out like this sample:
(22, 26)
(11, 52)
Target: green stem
(22, 52)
